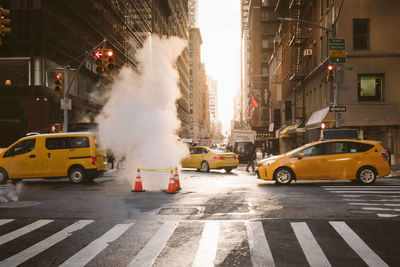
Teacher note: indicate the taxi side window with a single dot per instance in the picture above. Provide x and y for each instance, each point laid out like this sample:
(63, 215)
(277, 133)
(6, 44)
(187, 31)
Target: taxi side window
(20, 148)
(316, 150)
(56, 143)
(78, 142)
(348, 147)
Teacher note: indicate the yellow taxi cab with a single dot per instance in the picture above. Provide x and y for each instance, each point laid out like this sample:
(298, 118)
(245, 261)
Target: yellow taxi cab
(205, 158)
(359, 160)
(75, 155)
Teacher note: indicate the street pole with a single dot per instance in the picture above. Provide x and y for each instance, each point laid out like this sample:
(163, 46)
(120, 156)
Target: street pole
(65, 99)
(335, 88)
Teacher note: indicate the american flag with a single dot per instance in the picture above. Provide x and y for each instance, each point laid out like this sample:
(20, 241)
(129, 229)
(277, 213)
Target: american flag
(251, 107)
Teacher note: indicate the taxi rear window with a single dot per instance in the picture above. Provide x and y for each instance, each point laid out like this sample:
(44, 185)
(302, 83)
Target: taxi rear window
(67, 142)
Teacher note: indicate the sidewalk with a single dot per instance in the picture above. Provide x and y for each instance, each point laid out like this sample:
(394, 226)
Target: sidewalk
(394, 174)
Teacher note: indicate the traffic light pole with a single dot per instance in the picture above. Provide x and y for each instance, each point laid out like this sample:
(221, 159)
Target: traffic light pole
(66, 101)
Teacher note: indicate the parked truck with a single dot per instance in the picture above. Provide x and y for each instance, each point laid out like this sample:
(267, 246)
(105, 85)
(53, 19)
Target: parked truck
(241, 141)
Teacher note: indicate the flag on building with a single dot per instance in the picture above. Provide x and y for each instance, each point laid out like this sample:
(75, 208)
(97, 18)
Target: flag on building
(251, 107)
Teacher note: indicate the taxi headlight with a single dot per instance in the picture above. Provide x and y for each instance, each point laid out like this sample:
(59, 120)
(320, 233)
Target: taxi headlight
(269, 162)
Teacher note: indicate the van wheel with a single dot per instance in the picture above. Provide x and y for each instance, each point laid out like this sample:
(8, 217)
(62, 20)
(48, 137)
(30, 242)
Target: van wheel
(77, 175)
(3, 176)
(205, 167)
(366, 175)
(283, 176)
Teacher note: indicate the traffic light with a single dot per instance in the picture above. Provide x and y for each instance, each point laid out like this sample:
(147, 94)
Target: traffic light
(98, 59)
(104, 59)
(5, 23)
(109, 57)
(58, 82)
(329, 75)
(329, 124)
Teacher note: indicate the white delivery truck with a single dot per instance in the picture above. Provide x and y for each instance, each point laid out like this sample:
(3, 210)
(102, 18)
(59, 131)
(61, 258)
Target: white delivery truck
(240, 141)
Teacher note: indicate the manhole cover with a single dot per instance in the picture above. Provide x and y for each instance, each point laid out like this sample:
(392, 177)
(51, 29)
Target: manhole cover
(19, 204)
(178, 211)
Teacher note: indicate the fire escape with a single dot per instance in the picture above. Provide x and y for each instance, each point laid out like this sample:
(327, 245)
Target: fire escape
(298, 64)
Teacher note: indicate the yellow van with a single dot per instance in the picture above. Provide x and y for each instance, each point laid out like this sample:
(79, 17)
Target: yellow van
(75, 155)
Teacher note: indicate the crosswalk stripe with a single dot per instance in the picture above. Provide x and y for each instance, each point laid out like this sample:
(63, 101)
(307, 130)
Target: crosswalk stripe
(313, 252)
(259, 249)
(22, 231)
(207, 250)
(4, 221)
(44, 244)
(90, 251)
(383, 215)
(356, 243)
(150, 251)
(372, 200)
(356, 196)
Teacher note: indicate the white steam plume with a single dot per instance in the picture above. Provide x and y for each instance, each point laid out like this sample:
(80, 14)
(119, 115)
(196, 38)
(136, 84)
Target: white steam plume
(139, 120)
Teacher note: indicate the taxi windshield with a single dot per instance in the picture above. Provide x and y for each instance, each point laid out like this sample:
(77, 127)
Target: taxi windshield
(219, 150)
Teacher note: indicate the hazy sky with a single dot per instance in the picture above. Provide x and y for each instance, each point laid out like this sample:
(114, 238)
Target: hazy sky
(219, 23)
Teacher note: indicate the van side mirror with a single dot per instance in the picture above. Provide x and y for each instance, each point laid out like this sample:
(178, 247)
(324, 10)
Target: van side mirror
(300, 156)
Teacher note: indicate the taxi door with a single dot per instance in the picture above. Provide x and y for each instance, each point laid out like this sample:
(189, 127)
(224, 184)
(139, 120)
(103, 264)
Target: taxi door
(313, 165)
(55, 157)
(22, 159)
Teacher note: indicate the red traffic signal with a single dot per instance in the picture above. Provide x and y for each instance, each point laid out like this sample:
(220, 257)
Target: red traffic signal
(330, 67)
(98, 53)
(58, 76)
(110, 53)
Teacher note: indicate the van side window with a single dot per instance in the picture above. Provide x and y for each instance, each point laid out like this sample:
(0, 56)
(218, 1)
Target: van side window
(56, 143)
(22, 147)
(78, 142)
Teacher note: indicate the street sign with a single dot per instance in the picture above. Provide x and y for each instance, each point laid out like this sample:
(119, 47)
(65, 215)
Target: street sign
(344, 68)
(337, 50)
(337, 108)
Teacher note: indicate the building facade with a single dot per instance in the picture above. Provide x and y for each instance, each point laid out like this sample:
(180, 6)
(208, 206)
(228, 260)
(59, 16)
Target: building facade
(48, 35)
(366, 84)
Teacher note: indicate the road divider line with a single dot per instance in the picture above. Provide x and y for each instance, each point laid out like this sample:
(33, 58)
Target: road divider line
(22, 231)
(357, 244)
(259, 249)
(4, 221)
(152, 249)
(208, 245)
(82, 257)
(313, 252)
(44, 244)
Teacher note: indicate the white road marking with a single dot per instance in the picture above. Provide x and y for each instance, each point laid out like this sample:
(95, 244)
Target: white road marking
(22, 231)
(372, 200)
(150, 251)
(4, 221)
(207, 249)
(356, 243)
(387, 215)
(368, 192)
(44, 244)
(355, 196)
(362, 186)
(259, 249)
(375, 204)
(90, 251)
(386, 209)
(313, 252)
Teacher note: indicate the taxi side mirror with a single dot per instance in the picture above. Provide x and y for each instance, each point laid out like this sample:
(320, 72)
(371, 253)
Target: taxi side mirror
(300, 156)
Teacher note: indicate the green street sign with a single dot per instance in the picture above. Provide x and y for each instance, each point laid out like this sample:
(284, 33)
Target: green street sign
(337, 50)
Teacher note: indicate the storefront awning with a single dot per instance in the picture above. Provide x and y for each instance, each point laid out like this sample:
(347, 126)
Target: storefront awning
(316, 118)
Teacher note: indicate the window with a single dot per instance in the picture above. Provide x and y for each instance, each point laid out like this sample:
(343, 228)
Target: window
(56, 143)
(370, 87)
(360, 34)
(316, 150)
(22, 147)
(78, 142)
(347, 147)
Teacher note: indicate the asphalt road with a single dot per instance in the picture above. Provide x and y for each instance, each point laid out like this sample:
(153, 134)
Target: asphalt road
(217, 219)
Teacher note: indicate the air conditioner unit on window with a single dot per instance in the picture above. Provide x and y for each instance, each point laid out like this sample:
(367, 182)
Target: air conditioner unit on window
(307, 52)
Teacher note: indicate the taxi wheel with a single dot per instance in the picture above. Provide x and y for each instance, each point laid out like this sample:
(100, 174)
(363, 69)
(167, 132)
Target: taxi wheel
(283, 176)
(205, 167)
(77, 175)
(366, 175)
(3, 176)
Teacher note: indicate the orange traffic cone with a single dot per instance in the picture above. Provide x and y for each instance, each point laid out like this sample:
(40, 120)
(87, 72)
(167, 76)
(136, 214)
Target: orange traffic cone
(176, 177)
(171, 184)
(138, 183)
